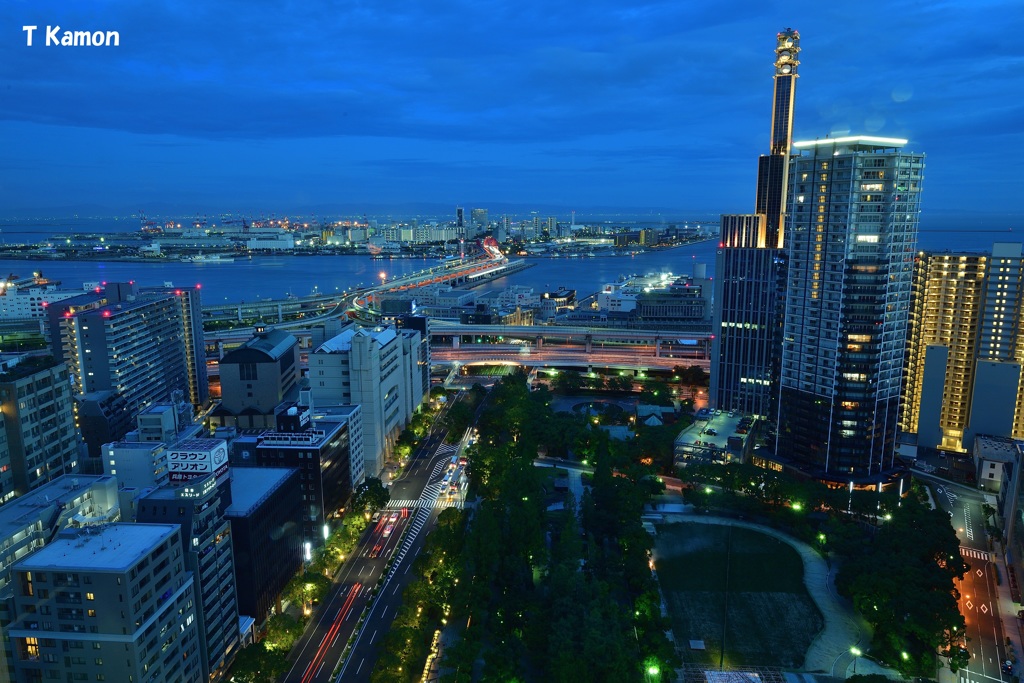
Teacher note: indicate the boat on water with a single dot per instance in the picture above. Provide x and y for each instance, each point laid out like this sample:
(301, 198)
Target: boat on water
(207, 258)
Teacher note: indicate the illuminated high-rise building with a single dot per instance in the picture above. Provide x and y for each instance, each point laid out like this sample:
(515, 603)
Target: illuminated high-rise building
(854, 208)
(749, 266)
(965, 348)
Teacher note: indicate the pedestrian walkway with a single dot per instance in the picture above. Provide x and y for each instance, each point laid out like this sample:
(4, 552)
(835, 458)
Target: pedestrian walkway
(1008, 610)
(437, 503)
(829, 653)
(446, 449)
(976, 554)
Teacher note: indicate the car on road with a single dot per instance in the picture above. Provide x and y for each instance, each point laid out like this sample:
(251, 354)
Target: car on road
(394, 517)
(388, 529)
(711, 432)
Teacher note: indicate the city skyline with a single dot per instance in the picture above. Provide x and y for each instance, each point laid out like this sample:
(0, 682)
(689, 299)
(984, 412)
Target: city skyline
(235, 109)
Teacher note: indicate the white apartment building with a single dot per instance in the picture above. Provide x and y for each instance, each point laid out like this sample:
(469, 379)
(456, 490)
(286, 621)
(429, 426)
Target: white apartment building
(379, 369)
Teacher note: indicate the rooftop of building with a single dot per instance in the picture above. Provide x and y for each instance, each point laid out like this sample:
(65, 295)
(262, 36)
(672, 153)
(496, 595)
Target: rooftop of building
(853, 143)
(250, 486)
(197, 444)
(998, 448)
(336, 412)
(151, 446)
(16, 514)
(25, 366)
(342, 342)
(320, 432)
(271, 343)
(100, 548)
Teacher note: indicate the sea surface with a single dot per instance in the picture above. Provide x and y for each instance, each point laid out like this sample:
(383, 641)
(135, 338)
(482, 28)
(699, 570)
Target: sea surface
(275, 277)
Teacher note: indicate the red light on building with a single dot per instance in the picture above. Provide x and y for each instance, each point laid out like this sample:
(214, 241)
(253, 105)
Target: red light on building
(106, 314)
(98, 290)
(198, 286)
(177, 292)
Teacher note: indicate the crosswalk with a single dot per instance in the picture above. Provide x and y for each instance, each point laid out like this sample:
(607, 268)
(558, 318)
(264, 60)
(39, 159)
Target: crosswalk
(438, 503)
(446, 450)
(976, 554)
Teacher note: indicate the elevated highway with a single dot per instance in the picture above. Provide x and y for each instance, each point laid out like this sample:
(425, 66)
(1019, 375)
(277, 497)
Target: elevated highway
(625, 358)
(467, 272)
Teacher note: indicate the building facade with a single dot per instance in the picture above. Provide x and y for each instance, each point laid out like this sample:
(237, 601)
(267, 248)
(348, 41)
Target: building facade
(266, 531)
(322, 448)
(198, 507)
(964, 348)
(110, 603)
(124, 343)
(256, 378)
(853, 216)
(750, 264)
(379, 369)
(38, 424)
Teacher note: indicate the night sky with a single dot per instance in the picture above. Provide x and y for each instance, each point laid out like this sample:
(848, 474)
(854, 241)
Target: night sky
(655, 106)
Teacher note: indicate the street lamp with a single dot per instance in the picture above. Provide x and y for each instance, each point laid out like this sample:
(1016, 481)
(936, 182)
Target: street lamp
(856, 653)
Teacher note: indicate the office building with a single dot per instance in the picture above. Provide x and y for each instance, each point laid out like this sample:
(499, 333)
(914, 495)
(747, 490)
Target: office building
(38, 424)
(323, 446)
(853, 217)
(377, 369)
(750, 266)
(108, 603)
(256, 378)
(964, 348)
(266, 533)
(198, 507)
(142, 458)
(480, 219)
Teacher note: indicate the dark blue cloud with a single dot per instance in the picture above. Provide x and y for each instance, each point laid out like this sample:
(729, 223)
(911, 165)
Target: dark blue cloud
(633, 103)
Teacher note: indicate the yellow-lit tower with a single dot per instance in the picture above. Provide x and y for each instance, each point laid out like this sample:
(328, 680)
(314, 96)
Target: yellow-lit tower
(773, 168)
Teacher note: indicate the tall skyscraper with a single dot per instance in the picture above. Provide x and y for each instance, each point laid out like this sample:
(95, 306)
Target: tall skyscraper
(852, 231)
(964, 348)
(128, 348)
(749, 265)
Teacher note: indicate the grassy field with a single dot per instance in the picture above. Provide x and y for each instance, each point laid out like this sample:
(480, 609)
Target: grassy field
(771, 619)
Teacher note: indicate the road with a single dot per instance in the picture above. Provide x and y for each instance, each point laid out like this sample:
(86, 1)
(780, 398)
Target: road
(641, 357)
(978, 594)
(319, 650)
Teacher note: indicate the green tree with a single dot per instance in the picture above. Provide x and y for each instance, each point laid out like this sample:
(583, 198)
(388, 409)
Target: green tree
(620, 383)
(282, 632)
(568, 382)
(656, 392)
(692, 376)
(257, 664)
(902, 583)
(371, 495)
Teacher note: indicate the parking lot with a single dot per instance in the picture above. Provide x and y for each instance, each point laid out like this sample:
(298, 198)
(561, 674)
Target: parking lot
(709, 435)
